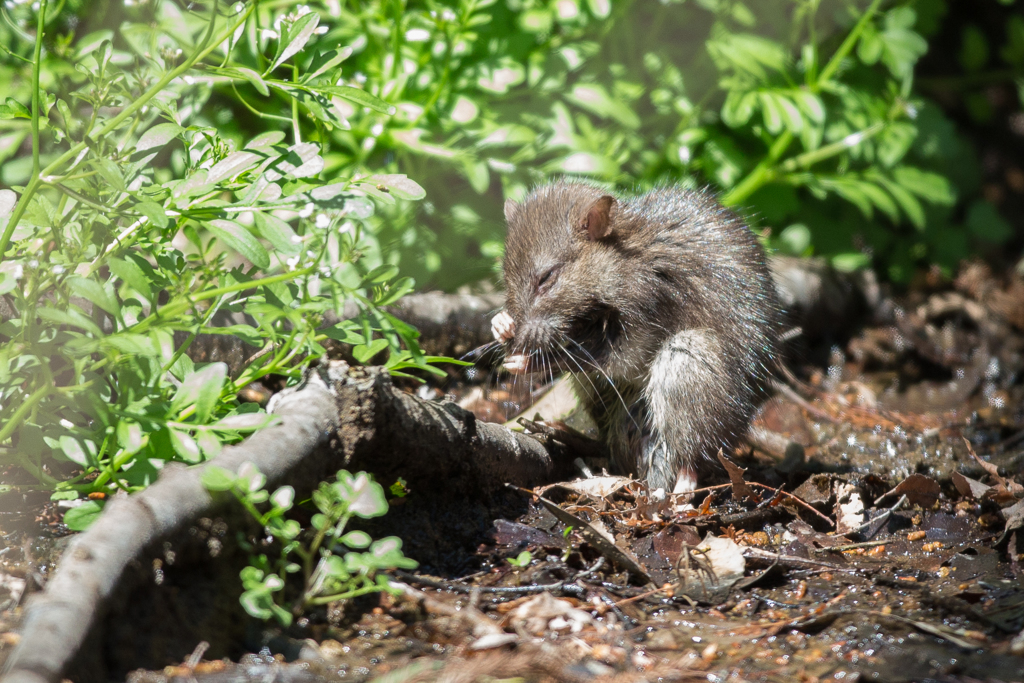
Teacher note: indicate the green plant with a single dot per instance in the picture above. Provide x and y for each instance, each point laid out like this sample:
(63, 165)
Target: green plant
(326, 557)
(522, 560)
(800, 113)
(142, 219)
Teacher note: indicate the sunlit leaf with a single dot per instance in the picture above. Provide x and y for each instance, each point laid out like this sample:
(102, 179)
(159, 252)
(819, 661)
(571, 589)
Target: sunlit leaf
(240, 239)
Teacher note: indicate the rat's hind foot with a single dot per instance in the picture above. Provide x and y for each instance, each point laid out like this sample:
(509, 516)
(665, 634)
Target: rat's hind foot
(686, 481)
(503, 327)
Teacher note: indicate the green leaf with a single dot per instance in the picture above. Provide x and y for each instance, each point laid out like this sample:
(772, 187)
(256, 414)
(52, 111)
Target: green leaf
(157, 136)
(356, 539)
(247, 333)
(399, 185)
(94, 292)
(536, 20)
(74, 450)
(265, 140)
(254, 79)
(185, 446)
(109, 171)
(154, 212)
(82, 517)
(365, 497)
(241, 240)
(130, 436)
(594, 98)
(881, 200)
(209, 443)
(216, 478)
(365, 352)
(381, 273)
(738, 108)
(277, 232)
(849, 262)
(202, 388)
(324, 61)
(772, 113)
(130, 273)
(245, 422)
(599, 8)
(360, 97)
(811, 105)
(795, 239)
(12, 109)
(231, 165)
(294, 38)
(69, 317)
(925, 184)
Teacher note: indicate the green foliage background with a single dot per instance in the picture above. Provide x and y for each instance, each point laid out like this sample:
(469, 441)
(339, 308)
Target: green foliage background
(278, 159)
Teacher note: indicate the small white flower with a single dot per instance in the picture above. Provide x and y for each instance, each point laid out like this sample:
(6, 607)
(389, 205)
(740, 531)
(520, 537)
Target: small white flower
(306, 211)
(417, 35)
(322, 221)
(296, 239)
(57, 270)
(33, 263)
(67, 424)
(292, 262)
(268, 34)
(359, 77)
(448, 15)
(301, 11)
(853, 139)
(347, 226)
(320, 30)
(310, 253)
(376, 129)
(189, 80)
(239, 7)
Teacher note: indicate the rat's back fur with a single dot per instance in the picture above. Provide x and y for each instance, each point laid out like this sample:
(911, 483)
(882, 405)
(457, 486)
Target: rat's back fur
(668, 320)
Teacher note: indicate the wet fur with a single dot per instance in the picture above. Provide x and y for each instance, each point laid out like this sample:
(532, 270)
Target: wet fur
(668, 324)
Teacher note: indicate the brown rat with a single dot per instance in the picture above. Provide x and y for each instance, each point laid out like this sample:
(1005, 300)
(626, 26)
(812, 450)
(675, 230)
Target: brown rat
(662, 308)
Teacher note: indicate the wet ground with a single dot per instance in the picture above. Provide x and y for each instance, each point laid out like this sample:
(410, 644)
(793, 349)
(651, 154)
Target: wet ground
(881, 541)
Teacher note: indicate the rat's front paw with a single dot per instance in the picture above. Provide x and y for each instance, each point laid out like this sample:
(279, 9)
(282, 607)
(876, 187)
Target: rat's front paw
(503, 327)
(517, 364)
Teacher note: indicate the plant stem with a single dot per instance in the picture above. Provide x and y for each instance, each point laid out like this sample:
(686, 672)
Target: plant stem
(761, 174)
(173, 309)
(112, 124)
(15, 420)
(847, 45)
(816, 155)
(323, 600)
(40, 30)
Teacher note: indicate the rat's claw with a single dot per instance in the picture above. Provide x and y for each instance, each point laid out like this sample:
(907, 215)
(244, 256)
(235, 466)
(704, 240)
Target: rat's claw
(503, 327)
(687, 480)
(517, 363)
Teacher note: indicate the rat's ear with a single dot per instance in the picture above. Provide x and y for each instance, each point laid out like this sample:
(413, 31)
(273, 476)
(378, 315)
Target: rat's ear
(598, 221)
(511, 209)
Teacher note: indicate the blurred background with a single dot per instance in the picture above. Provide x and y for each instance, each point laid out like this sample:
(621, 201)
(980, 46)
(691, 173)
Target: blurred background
(885, 135)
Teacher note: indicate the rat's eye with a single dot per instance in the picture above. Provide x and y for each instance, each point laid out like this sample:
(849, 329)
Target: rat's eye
(547, 278)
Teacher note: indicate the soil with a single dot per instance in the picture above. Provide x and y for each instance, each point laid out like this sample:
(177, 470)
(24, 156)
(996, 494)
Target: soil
(887, 548)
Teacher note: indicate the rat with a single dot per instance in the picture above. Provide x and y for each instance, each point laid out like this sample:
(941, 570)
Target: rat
(660, 306)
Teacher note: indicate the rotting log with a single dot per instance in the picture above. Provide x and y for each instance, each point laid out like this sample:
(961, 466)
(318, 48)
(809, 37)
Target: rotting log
(158, 572)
